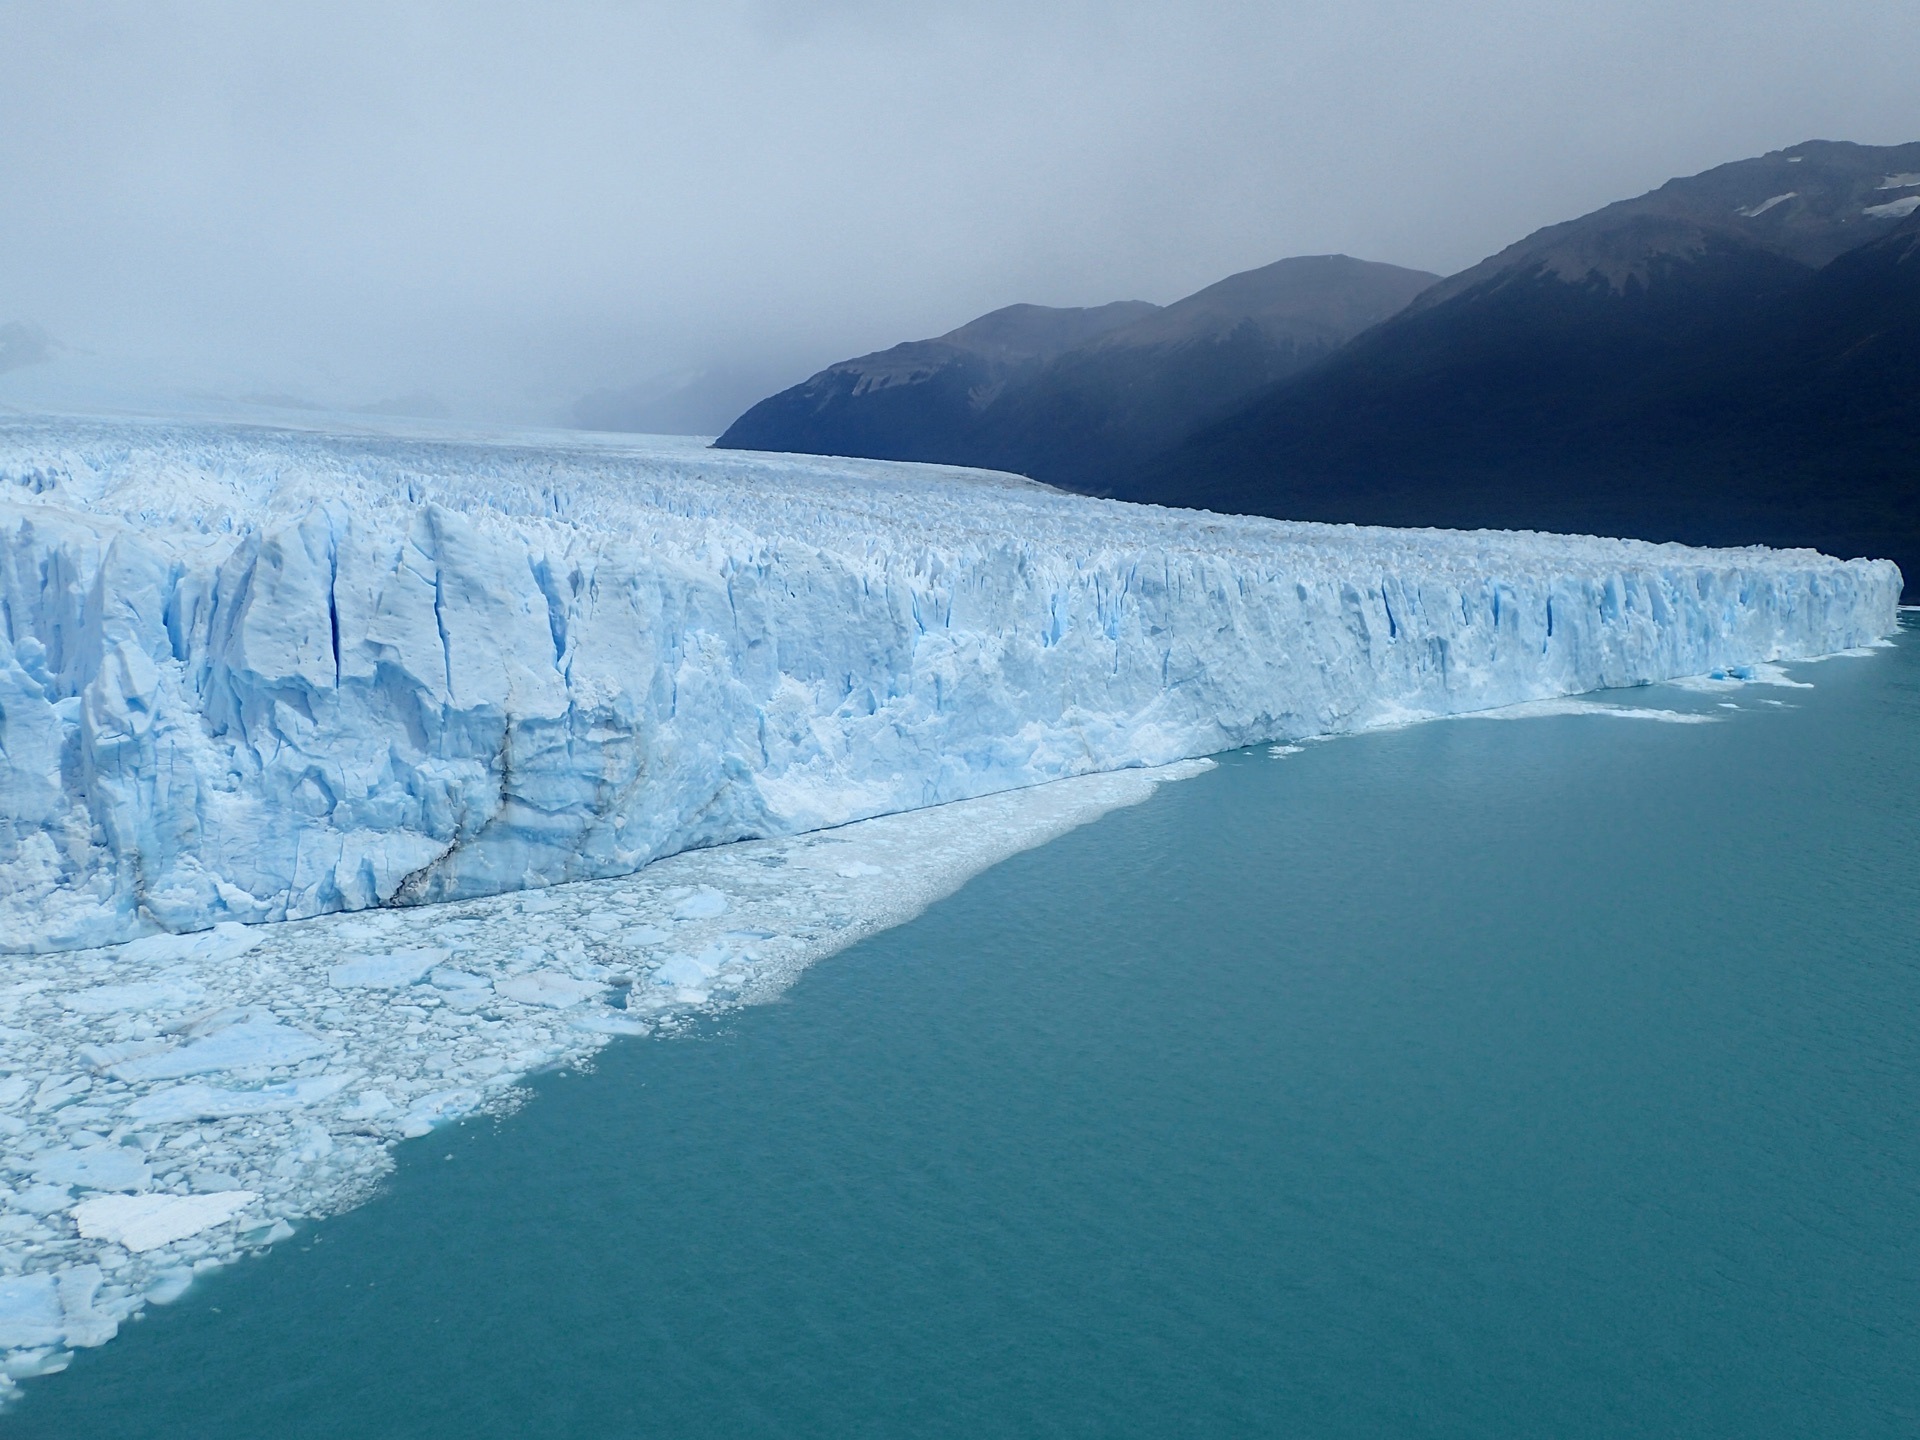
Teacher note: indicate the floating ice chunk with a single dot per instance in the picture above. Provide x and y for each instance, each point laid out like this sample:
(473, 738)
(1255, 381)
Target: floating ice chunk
(13, 1089)
(643, 935)
(858, 870)
(58, 1090)
(208, 1021)
(154, 996)
(226, 941)
(1537, 709)
(462, 991)
(169, 1285)
(704, 904)
(435, 1109)
(251, 1044)
(44, 1198)
(692, 971)
(371, 1104)
(208, 1102)
(30, 1313)
(546, 987)
(83, 1324)
(1733, 676)
(25, 1364)
(267, 1234)
(602, 1022)
(146, 1222)
(104, 1057)
(96, 1167)
(385, 972)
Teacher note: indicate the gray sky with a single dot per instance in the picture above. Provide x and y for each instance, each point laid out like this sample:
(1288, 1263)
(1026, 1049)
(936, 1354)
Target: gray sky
(509, 205)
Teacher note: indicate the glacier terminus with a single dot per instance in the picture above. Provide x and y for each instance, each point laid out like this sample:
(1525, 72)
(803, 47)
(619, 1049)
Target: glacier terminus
(252, 675)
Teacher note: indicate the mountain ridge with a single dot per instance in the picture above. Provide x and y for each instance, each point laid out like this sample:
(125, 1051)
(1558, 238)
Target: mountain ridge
(1654, 369)
(1072, 414)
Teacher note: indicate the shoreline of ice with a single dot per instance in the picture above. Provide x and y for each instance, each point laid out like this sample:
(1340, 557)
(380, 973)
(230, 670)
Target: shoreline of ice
(175, 1103)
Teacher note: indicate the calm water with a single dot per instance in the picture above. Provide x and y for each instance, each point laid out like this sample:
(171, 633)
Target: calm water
(1554, 1077)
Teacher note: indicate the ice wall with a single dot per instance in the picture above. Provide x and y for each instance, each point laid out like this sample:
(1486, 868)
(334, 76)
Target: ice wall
(252, 674)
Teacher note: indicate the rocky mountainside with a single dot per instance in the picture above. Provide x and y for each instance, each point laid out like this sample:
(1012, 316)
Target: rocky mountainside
(1074, 397)
(922, 400)
(1729, 359)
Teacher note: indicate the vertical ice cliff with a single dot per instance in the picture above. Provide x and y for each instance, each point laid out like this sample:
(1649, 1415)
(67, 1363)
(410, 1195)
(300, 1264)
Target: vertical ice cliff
(250, 675)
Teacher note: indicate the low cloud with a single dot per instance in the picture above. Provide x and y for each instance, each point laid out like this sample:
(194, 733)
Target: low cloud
(511, 207)
(22, 344)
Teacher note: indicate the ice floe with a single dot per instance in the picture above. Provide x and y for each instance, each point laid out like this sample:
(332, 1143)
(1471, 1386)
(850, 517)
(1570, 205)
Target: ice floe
(140, 1223)
(1537, 709)
(1735, 677)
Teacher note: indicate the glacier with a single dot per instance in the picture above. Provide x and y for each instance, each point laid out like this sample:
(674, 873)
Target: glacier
(254, 674)
(756, 706)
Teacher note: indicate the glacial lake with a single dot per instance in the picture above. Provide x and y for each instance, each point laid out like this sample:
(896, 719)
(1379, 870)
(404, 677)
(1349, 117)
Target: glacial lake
(1556, 1076)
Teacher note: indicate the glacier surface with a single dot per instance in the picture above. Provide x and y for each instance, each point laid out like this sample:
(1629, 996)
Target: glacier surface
(252, 675)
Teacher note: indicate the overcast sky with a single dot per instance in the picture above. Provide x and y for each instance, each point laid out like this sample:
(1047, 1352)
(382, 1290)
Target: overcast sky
(509, 205)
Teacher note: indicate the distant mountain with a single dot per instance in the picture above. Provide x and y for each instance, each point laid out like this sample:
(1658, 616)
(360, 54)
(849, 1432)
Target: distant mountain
(1731, 359)
(1074, 396)
(922, 400)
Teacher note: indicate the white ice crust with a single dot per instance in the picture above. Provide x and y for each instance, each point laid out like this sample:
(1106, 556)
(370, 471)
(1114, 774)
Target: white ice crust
(251, 675)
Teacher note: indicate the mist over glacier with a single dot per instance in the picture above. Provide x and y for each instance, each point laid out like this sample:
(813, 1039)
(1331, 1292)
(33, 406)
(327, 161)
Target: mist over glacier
(258, 675)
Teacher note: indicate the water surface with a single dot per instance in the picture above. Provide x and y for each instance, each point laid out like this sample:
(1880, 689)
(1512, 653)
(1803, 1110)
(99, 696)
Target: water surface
(1547, 1077)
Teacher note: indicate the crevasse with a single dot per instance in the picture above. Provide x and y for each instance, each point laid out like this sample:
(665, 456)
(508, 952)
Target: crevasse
(254, 675)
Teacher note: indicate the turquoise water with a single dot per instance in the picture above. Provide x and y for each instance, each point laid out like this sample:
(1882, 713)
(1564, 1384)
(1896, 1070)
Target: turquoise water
(1549, 1077)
